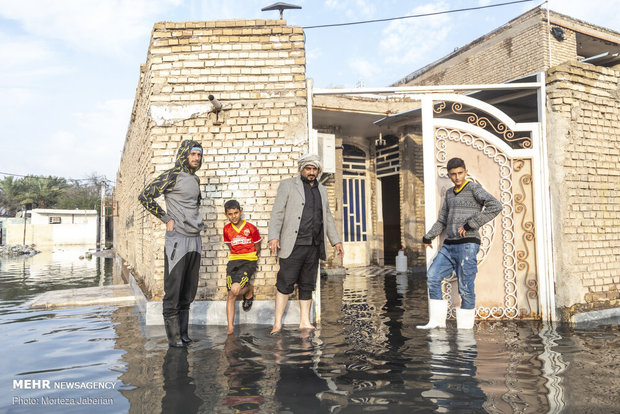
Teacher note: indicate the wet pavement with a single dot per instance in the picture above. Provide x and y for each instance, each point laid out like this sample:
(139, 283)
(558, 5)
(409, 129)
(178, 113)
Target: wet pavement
(367, 355)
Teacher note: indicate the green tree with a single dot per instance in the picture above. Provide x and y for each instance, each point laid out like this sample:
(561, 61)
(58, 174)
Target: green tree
(43, 192)
(10, 190)
(50, 192)
(81, 195)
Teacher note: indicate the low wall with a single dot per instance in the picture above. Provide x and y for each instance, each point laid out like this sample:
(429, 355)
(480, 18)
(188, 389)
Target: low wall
(52, 234)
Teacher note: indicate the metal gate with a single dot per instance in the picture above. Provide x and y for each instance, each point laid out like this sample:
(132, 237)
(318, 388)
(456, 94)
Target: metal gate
(503, 156)
(354, 206)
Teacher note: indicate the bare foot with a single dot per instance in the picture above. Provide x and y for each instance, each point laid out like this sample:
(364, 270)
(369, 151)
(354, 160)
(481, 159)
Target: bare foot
(306, 326)
(276, 329)
(231, 330)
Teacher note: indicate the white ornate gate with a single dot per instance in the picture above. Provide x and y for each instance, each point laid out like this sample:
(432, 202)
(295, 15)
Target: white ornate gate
(503, 156)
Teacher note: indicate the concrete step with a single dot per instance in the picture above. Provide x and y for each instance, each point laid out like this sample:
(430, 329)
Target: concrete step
(113, 295)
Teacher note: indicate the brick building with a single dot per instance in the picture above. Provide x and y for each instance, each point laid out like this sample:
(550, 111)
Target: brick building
(256, 70)
(576, 105)
(582, 66)
(555, 86)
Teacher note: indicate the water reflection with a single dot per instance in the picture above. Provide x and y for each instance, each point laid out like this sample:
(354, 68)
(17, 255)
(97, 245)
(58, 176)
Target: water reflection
(61, 268)
(553, 367)
(366, 356)
(179, 388)
(298, 383)
(244, 373)
(453, 370)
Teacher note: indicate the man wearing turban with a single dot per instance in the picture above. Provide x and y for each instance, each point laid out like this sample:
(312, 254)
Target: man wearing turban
(301, 225)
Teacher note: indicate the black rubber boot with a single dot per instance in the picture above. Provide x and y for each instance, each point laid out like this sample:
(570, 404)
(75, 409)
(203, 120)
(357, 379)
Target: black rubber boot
(184, 326)
(172, 331)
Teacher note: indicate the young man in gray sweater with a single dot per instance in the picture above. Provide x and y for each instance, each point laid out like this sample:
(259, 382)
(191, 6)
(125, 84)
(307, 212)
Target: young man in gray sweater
(183, 244)
(466, 207)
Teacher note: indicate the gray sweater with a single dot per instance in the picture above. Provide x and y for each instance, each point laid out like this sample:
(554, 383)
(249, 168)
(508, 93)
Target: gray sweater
(471, 208)
(182, 205)
(181, 189)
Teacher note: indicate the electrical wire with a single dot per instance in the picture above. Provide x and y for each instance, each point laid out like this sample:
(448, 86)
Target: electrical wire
(416, 15)
(68, 179)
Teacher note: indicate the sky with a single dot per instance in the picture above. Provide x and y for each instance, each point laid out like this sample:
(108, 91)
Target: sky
(69, 68)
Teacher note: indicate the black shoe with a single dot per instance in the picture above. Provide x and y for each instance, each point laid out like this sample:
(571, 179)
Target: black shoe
(184, 325)
(172, 331)
(247, 303)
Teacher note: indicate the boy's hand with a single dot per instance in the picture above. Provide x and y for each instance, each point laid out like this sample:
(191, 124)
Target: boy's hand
(170, 225)
(427, 245)
(461, 231)
(274, 245)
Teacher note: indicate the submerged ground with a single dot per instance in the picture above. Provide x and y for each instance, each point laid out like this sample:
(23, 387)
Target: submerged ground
(367, 355)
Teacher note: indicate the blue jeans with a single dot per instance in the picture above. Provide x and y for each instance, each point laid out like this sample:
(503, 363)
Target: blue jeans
(459, 258)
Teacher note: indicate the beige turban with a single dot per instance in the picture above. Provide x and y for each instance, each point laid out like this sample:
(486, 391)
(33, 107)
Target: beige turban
(310, 159)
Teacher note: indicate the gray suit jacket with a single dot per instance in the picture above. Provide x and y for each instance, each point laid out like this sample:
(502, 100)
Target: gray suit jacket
(286, 216)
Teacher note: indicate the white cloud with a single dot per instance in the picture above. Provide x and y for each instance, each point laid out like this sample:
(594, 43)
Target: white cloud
(103, 133)
(26, 60)
(603, 13)
(199, 10)
(353, 8)
(363, 69)
(19, 51)
(97, 26)
(411, 41)
(93, 144)
(314, 53)
(11, 97)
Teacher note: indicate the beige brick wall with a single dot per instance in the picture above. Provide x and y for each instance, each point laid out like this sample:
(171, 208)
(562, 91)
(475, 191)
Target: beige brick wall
(583, 104)
(520, 48)
(135, 241)
(256, 68)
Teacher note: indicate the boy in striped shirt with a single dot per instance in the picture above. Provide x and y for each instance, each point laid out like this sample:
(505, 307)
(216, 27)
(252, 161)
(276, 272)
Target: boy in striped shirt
(243, 239)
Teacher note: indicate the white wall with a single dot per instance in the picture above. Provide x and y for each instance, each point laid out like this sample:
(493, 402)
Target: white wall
(77, 227)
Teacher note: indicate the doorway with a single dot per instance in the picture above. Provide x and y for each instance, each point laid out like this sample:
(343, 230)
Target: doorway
(355, 207)
(390, 200)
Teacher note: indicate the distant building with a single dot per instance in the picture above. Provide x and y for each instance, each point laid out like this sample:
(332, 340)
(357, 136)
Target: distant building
(50, 227)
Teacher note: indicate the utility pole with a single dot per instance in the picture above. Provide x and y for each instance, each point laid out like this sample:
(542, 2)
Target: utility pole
(26, 207)
(102, 216)
(24, 214)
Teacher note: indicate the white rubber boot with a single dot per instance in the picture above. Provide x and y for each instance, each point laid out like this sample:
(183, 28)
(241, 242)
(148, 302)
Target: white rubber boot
(437, 312)
(465, 318)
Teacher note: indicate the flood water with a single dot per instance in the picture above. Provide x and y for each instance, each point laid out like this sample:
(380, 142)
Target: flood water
(367, 355)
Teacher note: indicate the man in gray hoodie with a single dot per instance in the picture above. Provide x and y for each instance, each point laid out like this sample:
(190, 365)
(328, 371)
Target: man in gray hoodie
(466, 207)
(183, 244)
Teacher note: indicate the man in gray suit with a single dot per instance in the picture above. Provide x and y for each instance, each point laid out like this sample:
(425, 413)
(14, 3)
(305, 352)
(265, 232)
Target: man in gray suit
(300, 225)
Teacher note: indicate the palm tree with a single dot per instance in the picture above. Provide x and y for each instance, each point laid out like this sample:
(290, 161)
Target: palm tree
(10, 201)
(43, 192)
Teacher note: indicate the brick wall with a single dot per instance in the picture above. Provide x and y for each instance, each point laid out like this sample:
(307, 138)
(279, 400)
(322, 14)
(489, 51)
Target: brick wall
(583, 104)
(519, 48)
(256, 69)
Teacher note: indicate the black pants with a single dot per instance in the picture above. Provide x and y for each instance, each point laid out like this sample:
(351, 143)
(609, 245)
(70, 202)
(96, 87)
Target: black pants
(301, 268)
(181, 272)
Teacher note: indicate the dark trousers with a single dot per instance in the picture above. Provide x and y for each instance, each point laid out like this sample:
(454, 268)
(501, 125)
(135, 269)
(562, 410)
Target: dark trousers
(301, 268)
(181, 272)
